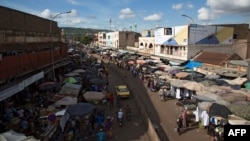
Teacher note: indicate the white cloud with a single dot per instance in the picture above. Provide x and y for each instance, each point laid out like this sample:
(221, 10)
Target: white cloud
(46, 14)
(190, 5)
(153, 17)
(206, 14)
(177, 6)
(218, 8)
(126, 13)
(74, 2)
(73, 13)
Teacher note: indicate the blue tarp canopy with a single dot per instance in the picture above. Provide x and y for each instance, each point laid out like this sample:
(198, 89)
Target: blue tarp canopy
(192, 64)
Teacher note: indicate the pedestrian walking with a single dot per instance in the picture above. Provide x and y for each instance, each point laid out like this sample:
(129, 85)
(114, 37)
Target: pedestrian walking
(108, 126)
(101, 135)
(184, 118)
(111, 101)
(92, 120)
(161, 94)
(100, 120)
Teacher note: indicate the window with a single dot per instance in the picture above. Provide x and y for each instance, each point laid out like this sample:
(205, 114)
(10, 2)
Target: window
(235, 36)
(167, 31)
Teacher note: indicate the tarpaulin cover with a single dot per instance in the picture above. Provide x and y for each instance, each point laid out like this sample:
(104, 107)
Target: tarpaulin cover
(193, 64)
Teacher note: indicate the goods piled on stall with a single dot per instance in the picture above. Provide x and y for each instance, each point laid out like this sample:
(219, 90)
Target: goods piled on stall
(240, 110)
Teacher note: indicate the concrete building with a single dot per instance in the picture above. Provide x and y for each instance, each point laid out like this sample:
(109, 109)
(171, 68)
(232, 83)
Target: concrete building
(101, 42)
(118, 39)
(31, 48)
(182, 43)
(147, 42)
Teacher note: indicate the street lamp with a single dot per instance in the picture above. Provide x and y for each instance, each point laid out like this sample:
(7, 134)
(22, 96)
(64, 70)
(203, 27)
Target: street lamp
(50, 32)
(192, 73)
(188, 17)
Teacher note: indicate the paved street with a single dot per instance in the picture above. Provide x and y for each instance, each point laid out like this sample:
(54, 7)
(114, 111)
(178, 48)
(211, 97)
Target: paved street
(162, 114)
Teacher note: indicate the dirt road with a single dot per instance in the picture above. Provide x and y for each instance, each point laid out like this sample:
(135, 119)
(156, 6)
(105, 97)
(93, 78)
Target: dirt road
(162, 114)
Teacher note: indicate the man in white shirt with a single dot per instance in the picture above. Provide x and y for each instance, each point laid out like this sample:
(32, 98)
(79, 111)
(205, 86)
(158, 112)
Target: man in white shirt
(178, 93)
(205, 119)
(120, 115)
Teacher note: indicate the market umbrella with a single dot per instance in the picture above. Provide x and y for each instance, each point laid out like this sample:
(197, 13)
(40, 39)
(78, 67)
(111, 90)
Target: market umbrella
(68, 100)
(236, 81)
(174, 71)
(212, 76)
(178, 83)
(97, 82)
(72, 74)
(70, 80)
(181, 74)
(93, 96)
(92, 76)
(165, 76)
(194, 75)
(80, 109)
(140, 61)
(208, 83)
(158, 72)
(79, 71)
(219, 110)
(47, 86)
(204, 105)
(194, 86)
(131, 62)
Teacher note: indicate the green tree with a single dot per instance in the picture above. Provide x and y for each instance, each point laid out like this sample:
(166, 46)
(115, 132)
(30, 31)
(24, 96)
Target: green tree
(87, 40)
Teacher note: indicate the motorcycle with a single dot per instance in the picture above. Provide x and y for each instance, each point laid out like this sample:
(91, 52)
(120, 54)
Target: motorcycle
(120, 122)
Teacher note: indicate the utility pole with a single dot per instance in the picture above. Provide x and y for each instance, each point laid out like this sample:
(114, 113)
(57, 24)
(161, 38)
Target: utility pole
(52, 52)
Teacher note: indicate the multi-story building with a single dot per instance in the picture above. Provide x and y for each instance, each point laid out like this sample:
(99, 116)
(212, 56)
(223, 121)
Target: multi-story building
(31, 48)
(101, 42)
(184, 42)
(118, 39)
(147, 42)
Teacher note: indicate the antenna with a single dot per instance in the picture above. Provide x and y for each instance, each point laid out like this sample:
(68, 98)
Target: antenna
(135, 27)
(110, 21)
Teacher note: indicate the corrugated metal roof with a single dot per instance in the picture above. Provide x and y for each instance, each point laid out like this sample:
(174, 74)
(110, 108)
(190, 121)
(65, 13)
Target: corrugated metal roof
(239, 62)
(212, 58)
(28, 46)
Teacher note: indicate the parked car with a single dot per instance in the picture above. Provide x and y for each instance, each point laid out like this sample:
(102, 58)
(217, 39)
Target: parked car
(122, 91)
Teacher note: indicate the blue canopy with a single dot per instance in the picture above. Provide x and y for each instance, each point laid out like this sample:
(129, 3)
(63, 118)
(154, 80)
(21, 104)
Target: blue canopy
(193, 64)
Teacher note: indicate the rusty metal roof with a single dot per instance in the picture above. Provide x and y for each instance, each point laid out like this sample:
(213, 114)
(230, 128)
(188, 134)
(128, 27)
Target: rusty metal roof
(212, 58)
(22, 47)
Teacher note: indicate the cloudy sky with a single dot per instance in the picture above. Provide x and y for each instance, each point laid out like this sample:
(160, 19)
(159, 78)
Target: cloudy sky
(136, 15)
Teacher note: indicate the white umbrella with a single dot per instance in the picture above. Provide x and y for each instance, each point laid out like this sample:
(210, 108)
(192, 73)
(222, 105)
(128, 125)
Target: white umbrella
(236, 81)
(93, 96)
(68, 100)
(178, 83)
(193, 86)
